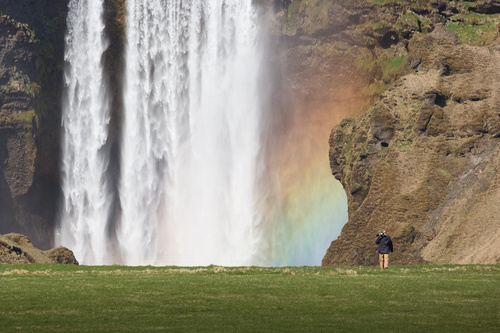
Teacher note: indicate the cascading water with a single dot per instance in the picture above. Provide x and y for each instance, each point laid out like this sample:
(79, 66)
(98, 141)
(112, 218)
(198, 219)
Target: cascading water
(191, 138)
(199, 180)
(86, 192)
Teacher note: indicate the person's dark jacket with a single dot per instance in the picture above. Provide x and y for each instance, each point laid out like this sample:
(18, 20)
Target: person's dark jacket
(384, 244)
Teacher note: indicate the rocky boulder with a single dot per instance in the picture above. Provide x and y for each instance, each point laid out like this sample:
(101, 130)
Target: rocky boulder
(18, 249)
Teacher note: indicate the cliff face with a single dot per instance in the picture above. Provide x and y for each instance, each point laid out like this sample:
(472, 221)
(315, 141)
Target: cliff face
(31, 55)
(17, 117)
(422, 162)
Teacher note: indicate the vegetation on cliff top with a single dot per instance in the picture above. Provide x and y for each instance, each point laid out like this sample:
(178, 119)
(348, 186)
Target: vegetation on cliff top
(474, 28)
(384, 28)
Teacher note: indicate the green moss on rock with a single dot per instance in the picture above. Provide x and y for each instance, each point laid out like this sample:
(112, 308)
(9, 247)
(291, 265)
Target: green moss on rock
(475, 29)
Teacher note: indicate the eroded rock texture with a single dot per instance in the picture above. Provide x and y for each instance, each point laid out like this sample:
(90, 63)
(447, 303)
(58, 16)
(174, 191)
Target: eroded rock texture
(423, 162)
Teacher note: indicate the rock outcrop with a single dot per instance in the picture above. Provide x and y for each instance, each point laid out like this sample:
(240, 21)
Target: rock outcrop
(422, 162)
(31, 57)
(18, 249)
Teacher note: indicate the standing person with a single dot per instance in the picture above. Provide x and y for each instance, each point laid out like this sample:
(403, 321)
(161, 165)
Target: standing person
(384, 243)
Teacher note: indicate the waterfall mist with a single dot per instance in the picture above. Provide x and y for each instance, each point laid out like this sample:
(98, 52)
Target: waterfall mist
(203, 176)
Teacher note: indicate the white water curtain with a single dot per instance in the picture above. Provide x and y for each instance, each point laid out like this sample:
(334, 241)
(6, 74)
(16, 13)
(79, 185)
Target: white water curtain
(86, 190)
(191, 138)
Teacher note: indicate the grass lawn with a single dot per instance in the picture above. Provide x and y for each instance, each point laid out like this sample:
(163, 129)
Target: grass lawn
(64, 298)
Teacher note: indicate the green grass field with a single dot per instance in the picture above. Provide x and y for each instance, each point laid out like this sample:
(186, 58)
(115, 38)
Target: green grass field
(63, 298)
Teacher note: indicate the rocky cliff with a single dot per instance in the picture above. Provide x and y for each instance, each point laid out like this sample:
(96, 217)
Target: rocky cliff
(31, 56)
(422, 162)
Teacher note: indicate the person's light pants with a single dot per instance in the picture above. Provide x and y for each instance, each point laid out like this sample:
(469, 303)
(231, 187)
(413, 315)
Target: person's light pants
(383, 260)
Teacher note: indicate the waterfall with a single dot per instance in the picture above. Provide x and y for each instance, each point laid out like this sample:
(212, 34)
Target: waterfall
(205, 175)
(191, 138)
(85, 157)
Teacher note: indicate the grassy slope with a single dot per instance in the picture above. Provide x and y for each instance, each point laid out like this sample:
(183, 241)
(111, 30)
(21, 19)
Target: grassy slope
(405, 298)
